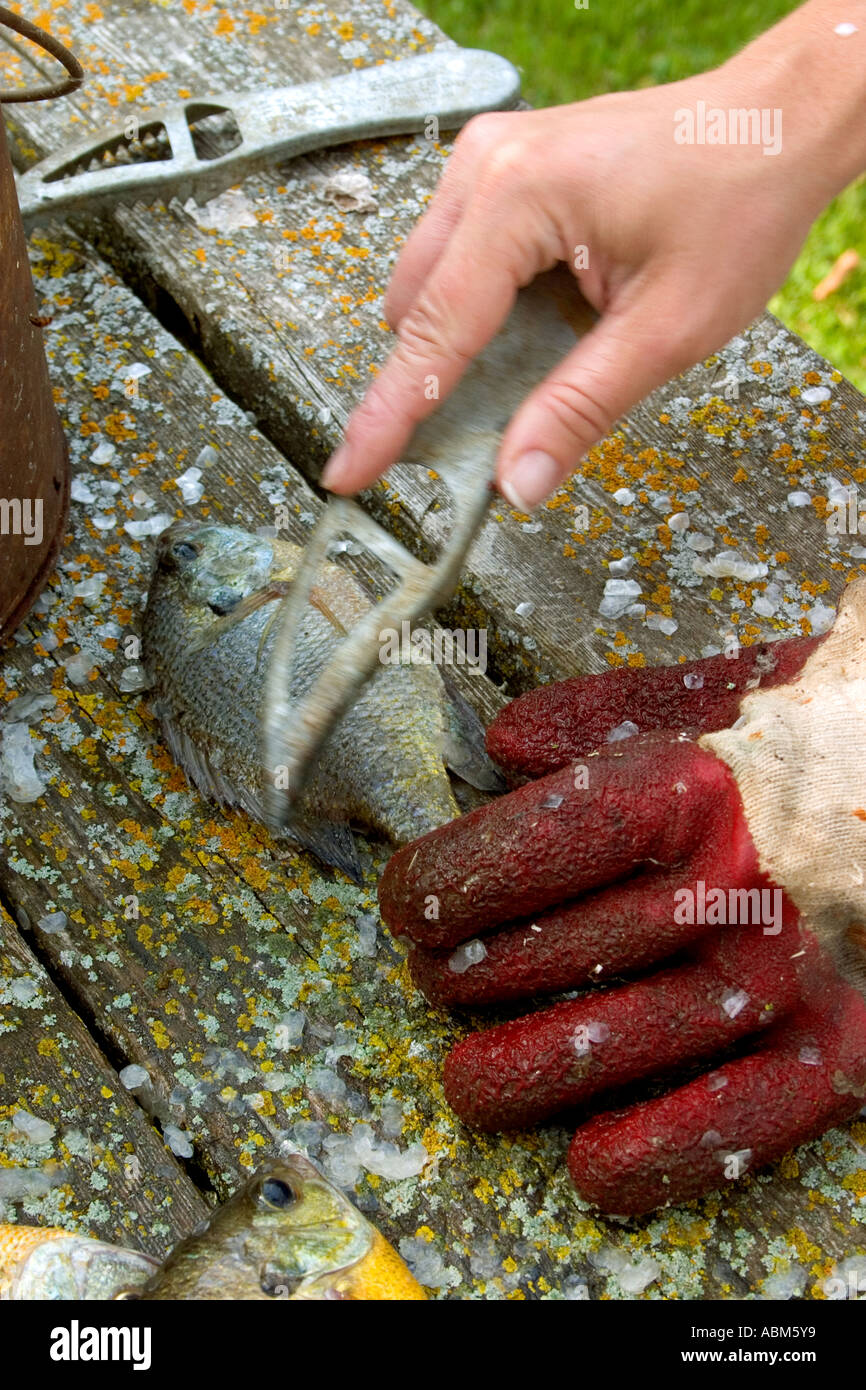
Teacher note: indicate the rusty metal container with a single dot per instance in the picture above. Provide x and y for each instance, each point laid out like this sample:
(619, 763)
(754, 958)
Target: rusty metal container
(34, 459)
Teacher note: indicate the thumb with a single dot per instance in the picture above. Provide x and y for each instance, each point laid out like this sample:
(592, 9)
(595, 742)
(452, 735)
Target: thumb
(624, 356)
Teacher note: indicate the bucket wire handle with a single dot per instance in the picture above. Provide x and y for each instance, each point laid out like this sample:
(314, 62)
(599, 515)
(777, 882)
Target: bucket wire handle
(50, 45)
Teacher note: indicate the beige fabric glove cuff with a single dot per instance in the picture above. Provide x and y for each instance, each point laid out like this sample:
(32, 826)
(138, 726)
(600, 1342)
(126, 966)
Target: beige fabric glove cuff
(798, 754)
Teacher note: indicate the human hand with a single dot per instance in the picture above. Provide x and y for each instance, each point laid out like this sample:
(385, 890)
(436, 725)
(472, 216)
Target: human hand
(589, 874)
(678, 246)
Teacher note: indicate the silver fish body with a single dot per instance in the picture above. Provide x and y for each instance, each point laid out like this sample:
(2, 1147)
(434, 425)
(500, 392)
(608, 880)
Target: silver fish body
(383, 766)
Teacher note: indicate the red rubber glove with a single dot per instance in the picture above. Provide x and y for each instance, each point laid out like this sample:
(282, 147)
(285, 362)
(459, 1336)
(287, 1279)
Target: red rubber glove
(589, 873)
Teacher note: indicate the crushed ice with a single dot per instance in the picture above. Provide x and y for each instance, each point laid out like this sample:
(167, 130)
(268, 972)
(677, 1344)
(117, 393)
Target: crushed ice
(619, 595)
(470, 953)
(52, 923)
(624, 730)
(18, 774)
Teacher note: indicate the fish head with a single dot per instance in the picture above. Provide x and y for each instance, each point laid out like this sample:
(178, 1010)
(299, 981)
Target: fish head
(210, 568)
(41, 1263)
(288, 1233)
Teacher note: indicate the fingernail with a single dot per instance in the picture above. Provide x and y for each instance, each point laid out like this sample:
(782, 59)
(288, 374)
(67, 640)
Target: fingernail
(532, 478)
(334, 467)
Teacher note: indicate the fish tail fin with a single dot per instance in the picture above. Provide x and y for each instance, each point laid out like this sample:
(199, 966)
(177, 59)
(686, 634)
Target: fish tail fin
(330, 841)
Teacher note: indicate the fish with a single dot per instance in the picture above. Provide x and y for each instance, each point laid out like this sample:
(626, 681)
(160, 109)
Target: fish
(286, 1234)
(38, 1262)
(206, 638)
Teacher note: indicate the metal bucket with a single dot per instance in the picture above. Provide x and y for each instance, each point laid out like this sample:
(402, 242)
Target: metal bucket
(34, 459)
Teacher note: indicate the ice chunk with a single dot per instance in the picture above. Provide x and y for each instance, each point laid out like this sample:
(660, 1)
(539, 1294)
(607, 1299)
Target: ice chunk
(609, 1258)
(150, 526)
(23, 707)
(90, 589)
(79, 666)
(699, 542)
(134, 1076)
(734, 1001)
(623, 496)
(309, 1134)
(290, 1030)
(621, 566)
(391, 1118)
(764, 607)
(815, 395)
(552, 802)
(53, 923)
(680, 521)
(327, 1085)
(425, 1262)
(624, 730)
(351, 191)
(638, 1276)
(822, 618)
(737, 1162)
(470, 953)
(619, 595)
(231, 211)
(80, 492)
(36, 1130)
(845, 29)
(104, 452)
(178, 1141)
(191, 489)
(588, 1035)
(368, 934)
(729, 565)
(134, 678)
(207, 457)
(716, 1080)
(798, 499)
(693, 681)
(340, 1161)
(17, 770)
(525, 610)
(810, 1056)
(20, 1184)
(384, 1158)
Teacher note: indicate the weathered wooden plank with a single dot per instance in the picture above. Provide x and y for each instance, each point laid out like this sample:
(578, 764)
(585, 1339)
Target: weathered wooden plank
(193, 948)
(287, 312)
(76, 1150)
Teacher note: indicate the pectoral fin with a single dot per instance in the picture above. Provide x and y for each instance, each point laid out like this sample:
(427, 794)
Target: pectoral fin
(463, 749)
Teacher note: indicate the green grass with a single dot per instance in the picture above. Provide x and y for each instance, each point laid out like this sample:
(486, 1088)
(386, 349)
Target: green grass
(567, 54)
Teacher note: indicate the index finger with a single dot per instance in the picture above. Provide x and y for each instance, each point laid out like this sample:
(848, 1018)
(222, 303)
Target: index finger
(554, 839)
(466, 300)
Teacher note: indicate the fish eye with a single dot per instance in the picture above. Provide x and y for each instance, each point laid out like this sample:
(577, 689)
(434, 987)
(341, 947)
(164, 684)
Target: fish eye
(278, 1193)
(184, 551)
